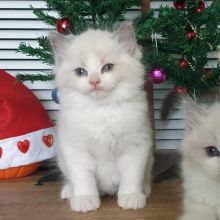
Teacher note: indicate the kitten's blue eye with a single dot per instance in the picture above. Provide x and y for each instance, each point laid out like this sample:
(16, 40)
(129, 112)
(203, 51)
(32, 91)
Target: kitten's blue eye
(81, 71)
(107, 67)
(212, 151)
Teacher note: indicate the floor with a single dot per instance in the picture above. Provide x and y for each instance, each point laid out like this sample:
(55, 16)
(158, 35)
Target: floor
(20, 199)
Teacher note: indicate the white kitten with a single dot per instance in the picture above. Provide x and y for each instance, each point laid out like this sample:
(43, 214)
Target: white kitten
(201, 163)
(104, 130)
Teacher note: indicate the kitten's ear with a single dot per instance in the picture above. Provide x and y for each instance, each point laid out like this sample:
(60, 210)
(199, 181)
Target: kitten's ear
(126, 36)
(59, 44)
(194, 113)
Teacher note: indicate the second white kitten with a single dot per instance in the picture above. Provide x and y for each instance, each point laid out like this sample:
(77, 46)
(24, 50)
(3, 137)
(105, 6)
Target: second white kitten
(104, 131)
(201, 162)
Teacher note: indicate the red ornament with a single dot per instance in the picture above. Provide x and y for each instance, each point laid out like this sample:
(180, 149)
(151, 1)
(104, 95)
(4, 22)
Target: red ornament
(48, 140)
(64, 26)
(180, 90)
(201, 6)
(183, 63)
(1, 152)
(190, 35)
(179, 4)
(23, 146)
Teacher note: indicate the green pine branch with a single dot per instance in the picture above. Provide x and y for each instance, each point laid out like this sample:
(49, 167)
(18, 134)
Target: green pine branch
(35, 77)
(44, 16)
(43, 52)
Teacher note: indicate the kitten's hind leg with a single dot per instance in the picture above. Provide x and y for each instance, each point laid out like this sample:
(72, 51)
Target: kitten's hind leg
(148, 174)
(67, 191)
(67, 188)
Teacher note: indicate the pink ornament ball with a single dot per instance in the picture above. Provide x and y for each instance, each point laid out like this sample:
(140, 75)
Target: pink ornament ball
(157, 75)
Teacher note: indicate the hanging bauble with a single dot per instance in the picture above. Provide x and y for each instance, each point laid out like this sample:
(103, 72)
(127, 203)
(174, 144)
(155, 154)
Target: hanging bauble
(157, 75)
(190, 35)
(183, 63)
(180, 90)
(201, 7)
(179, 4)
(55, 95)
(64, 26)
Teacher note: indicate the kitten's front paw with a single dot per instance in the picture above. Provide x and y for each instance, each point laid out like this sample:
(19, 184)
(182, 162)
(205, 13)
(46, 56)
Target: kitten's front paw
(66, 191)
(85, 203)
(132, 201)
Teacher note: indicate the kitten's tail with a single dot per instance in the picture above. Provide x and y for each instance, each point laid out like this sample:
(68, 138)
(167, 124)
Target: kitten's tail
(170, 101)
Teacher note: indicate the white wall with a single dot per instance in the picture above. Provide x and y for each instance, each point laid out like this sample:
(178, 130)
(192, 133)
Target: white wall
(19, 24)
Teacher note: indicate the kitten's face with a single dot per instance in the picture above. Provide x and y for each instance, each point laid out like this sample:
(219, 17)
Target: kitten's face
(201, 145)
(96, 63)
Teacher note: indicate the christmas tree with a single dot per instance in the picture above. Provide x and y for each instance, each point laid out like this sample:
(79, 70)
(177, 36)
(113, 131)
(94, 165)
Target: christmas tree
(178, 39)
(74, 17)
(183, 37)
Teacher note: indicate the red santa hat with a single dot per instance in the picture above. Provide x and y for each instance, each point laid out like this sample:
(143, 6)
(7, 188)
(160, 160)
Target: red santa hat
(26, 131)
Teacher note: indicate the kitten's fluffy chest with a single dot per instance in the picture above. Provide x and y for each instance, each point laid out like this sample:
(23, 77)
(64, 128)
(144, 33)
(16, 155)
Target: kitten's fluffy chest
(105, 123)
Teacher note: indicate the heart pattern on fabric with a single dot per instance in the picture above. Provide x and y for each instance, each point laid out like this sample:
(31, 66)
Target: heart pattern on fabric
(23, 146)
(1, 152)
(48, 140)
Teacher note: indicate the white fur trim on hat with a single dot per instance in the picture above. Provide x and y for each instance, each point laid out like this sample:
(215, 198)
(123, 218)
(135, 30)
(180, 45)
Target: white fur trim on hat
(27, 149)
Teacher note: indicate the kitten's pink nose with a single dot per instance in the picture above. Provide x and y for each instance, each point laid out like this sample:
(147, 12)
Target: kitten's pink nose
(94, 82)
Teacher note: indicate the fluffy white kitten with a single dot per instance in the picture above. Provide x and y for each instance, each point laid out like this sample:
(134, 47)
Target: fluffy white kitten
(201, 163)
(104, 130)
